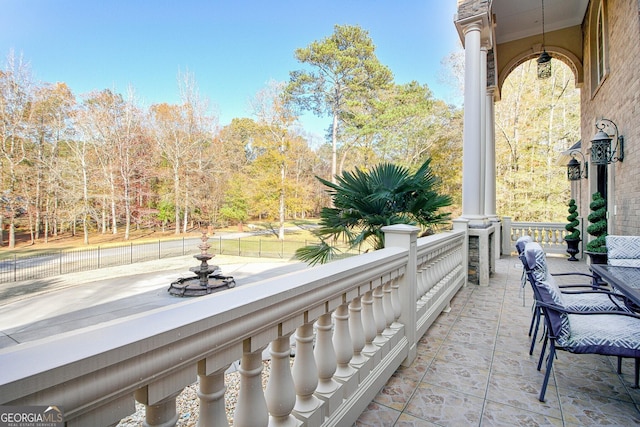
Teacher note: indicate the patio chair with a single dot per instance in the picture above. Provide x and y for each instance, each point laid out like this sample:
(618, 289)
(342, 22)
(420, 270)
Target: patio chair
(578, 297)
(606, 332)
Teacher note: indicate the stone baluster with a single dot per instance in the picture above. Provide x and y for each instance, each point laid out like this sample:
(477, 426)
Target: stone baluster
(159, 397)
(369, 325)
(359, 360)
(378, 314)
(162, 413)
(280, 392)
(427, 277)
(395, 299)
(345, 373)
(211, 395)
(251, 409)
(305, 377)
(387, 304)
(325, 357)
(421, 287)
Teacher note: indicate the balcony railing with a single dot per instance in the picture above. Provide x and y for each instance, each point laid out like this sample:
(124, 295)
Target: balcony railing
(550, 235)
(353, 323)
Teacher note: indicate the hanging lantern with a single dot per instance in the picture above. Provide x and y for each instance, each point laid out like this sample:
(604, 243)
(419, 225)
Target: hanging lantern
(544, 65)
(544, 60)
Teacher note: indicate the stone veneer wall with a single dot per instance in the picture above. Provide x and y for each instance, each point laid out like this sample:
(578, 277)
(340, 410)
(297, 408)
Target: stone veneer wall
(618, 99)
(468, 8)
(473, 270)
(474, 260)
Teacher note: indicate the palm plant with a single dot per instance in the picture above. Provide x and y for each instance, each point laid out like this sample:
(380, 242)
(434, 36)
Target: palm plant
(364, 202)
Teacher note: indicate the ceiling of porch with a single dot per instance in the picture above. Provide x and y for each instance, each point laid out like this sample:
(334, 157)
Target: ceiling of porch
(517, 19)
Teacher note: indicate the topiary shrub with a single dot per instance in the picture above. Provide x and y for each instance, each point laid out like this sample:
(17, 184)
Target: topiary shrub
(574, 233)
(598, 224)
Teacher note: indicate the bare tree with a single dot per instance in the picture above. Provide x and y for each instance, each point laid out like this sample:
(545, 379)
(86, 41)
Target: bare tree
(15, 104)
(275, 114)
(181, 133)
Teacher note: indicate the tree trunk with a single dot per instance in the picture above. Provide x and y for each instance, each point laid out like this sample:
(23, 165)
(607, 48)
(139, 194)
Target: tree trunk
(334, 147)
(114, 219)
(282, 207)
(12, 234)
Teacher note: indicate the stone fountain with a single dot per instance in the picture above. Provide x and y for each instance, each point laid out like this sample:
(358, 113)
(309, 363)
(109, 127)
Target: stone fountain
(207, 279)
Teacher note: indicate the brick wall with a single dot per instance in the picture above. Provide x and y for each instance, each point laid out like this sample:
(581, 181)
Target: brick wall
(618, 99)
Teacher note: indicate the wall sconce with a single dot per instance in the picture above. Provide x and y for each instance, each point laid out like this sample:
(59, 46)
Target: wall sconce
(601, 153)
(574, 171)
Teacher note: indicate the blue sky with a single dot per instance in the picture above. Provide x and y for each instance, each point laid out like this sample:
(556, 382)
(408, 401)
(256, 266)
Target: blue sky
(232, 47)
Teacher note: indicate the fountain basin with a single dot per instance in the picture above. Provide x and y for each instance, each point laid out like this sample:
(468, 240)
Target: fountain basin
(193, 286)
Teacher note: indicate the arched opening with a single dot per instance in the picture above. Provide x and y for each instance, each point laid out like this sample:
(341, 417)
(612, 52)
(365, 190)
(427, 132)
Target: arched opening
(535, 121)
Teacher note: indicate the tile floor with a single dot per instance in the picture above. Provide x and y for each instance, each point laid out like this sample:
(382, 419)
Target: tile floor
(473, 369)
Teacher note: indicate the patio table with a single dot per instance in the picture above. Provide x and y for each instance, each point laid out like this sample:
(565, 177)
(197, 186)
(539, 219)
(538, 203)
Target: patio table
(624, 279)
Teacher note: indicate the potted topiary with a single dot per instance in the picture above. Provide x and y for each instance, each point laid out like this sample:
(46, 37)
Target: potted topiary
(597, 247)
(573, 238)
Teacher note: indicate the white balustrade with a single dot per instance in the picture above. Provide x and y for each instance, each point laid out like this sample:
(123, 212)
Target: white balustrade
(549, 235)
(365, 309)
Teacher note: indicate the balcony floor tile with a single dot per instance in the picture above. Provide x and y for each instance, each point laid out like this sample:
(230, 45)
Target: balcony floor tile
(474, 369)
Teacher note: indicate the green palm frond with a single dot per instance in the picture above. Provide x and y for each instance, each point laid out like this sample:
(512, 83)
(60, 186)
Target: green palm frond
(366, 201)
(320, 253)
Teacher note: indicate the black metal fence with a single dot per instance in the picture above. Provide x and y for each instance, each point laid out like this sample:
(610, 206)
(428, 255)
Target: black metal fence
(42, 265)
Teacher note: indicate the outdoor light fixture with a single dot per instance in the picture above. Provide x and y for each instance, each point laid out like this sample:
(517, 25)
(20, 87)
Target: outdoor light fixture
(601, 153)
(574, 171)
(544, 60)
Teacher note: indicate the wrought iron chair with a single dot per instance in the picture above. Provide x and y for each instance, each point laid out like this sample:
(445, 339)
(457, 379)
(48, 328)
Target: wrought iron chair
(614, 333)
(578, 297)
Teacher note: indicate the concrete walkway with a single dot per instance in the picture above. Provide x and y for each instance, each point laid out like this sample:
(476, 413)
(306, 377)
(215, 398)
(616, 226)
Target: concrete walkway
(41, 308)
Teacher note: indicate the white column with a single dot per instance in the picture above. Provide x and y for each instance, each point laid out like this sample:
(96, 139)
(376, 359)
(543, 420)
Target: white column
(483, 127)
(490, 171)
(472, 142)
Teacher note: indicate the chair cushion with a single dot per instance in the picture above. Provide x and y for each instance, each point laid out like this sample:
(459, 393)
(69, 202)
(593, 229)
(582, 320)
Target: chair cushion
(522, 242)
(590, 301)
(536, 261)
(623, 251)
(608, 334)
(547, 288)
(624, 262)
